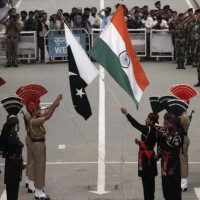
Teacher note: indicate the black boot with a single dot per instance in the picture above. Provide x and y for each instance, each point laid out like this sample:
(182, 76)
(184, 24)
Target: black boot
(182, 65)
(8, 65)
(179, 65)
(189, 61)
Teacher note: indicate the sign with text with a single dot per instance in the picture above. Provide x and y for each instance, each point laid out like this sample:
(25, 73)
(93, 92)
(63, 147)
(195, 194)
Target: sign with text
(57, 45)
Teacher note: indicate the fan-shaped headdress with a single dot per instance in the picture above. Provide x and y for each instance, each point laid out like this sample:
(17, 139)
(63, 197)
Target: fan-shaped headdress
(31, 94)
(12, 104)
(183, 91)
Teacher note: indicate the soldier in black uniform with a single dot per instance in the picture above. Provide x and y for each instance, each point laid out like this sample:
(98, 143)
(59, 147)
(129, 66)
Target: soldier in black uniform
(147, 166)
(12, 147)
(2, 81)
(170, 151)
(14, 161)
(162, 131)
(170, 162)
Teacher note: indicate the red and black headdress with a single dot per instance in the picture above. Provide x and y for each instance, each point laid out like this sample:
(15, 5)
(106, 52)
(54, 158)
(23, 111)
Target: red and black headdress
(183, 91)
(31, 94)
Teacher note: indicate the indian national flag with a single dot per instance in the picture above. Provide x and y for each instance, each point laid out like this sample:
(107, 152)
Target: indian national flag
(114, 51)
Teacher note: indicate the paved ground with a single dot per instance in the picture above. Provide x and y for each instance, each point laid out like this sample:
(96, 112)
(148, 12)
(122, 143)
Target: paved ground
(72, 143)
(72, 171)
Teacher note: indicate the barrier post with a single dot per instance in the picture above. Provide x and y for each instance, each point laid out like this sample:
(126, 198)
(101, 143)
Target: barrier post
(161, 44)
(28, 46)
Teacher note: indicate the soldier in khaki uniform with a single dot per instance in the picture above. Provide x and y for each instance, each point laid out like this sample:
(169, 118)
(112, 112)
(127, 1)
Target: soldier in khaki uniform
(37, 133)
(29, 160)
(184, 93)
(13, 37)
(185, 122)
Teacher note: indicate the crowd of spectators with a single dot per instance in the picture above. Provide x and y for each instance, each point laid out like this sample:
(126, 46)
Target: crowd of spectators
(89, 18)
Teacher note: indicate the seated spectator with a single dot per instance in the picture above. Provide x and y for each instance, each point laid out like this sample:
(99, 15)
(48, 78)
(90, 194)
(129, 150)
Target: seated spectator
(160, 23)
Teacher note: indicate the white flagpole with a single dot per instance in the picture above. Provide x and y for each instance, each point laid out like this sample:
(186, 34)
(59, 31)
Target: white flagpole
(101, 146)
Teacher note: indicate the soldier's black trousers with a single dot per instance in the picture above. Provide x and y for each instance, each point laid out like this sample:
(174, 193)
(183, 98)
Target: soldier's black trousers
(12, 190)
(171, 187)
(148, 187)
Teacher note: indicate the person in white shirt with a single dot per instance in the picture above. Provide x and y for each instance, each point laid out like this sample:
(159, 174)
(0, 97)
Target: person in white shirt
(160, 23)
(53, 23)
(96, 20)
(106, 17)
(147, 22)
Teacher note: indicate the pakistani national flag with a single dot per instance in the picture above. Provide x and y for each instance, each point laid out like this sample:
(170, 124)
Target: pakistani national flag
(114, 51)
(81, 73)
